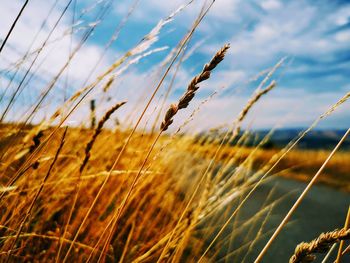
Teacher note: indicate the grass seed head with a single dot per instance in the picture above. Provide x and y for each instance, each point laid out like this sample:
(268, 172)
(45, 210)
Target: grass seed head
(193, 87)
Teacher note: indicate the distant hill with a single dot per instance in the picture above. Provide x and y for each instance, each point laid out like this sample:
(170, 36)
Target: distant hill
(316, 139)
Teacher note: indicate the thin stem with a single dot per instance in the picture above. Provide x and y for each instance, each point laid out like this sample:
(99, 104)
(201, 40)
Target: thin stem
(346, 250)
(329, 253)
(341, 245)
(13, 25)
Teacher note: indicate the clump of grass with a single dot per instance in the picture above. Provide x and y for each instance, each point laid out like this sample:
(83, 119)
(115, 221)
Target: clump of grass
(28, 213)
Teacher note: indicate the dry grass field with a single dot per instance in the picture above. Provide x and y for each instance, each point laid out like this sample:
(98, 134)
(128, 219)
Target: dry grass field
(148, 190)
(46, 202)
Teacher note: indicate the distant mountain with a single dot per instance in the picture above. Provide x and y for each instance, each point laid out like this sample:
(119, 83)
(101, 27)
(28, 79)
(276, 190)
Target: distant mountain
(316, 139)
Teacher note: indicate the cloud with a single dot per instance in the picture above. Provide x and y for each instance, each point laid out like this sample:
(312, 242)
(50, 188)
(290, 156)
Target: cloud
(343, 36)
(315, 38)
(271, 4)
(56, 53)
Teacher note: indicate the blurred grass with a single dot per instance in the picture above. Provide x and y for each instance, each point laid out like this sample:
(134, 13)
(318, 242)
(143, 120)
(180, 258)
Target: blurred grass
(157, 201)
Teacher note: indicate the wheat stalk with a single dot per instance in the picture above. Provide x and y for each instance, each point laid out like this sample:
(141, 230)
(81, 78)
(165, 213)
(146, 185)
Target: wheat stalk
(98, 130)
(304, 252)
(183, 103)
(259, 93)
(193, 87)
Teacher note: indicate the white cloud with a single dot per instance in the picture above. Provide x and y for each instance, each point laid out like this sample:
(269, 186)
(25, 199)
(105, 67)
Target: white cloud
(224, 10)
(53, 56)
(271, 4)
(343, 36)
(342, 16)
(260, 32)
(298, 29)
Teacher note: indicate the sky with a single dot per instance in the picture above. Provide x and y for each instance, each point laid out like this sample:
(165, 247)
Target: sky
(313, 38)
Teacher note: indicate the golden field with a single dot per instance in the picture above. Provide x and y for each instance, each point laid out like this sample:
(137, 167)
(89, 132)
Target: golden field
(161, 204)
(81, 188)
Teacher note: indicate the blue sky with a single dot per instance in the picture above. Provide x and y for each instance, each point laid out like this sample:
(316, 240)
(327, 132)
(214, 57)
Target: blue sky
(313, 35)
